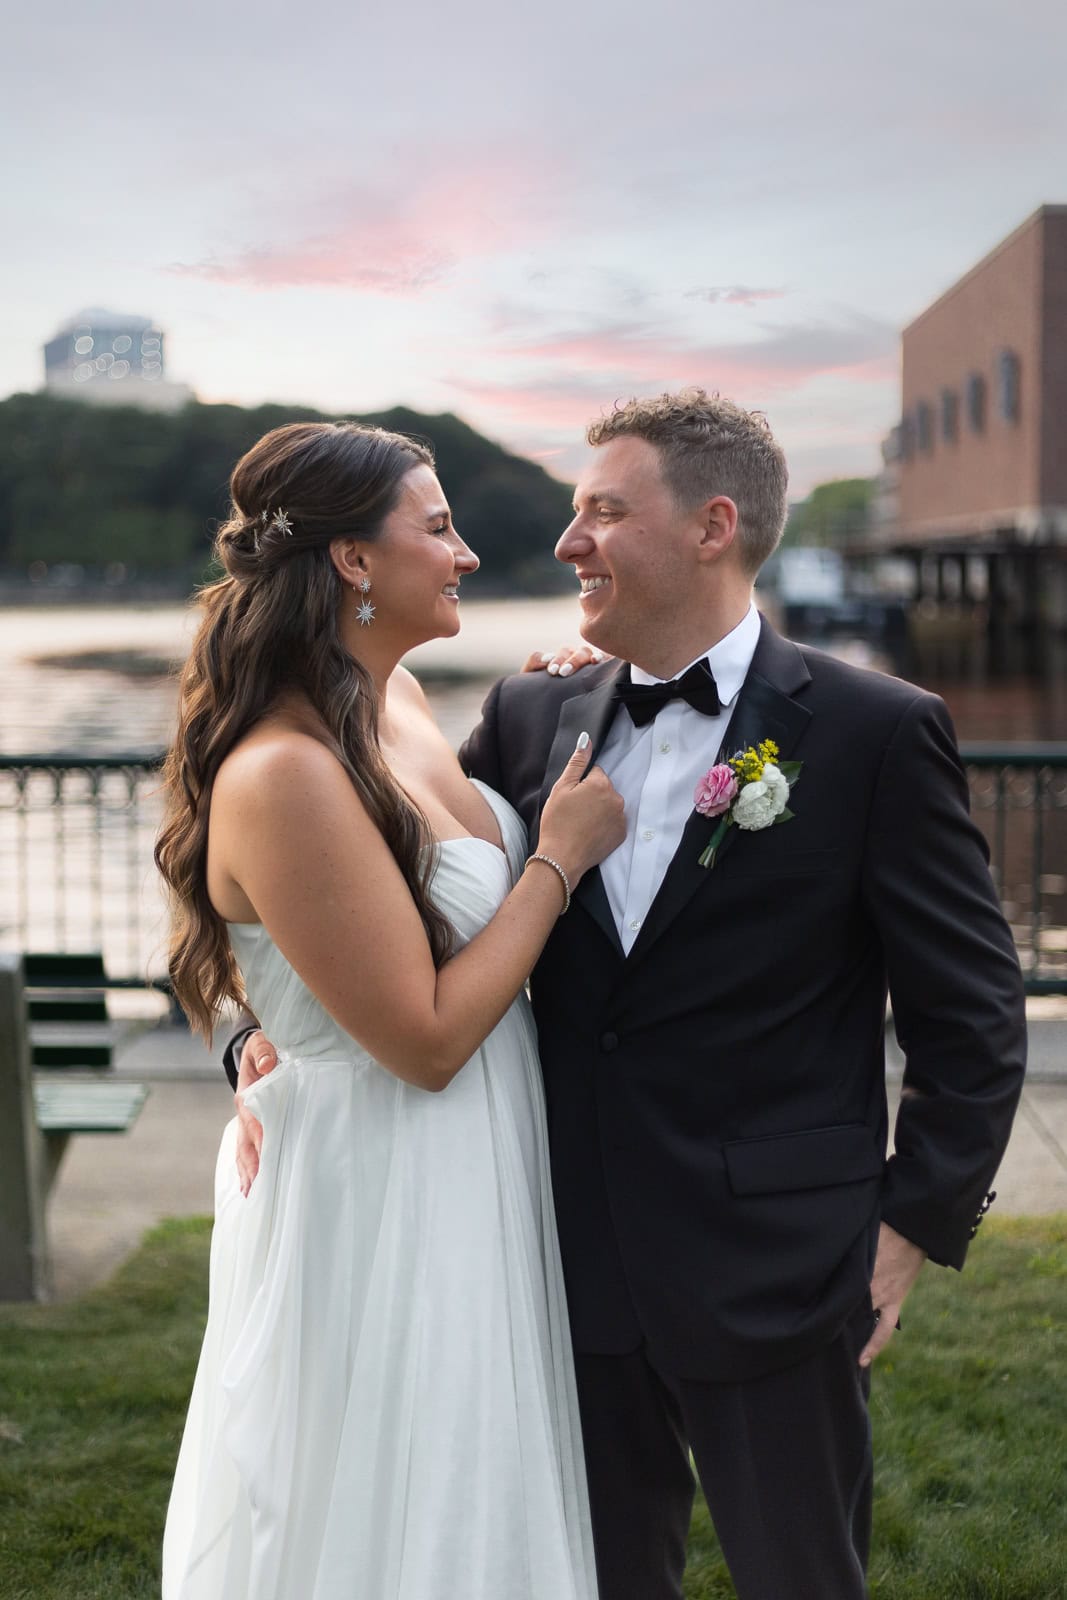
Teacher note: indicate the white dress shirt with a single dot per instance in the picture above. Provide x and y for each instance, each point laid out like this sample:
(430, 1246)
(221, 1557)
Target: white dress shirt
(656, 768)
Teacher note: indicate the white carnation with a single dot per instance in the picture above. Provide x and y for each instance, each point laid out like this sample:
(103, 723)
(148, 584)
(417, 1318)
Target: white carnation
(776, 784)
(758, 805)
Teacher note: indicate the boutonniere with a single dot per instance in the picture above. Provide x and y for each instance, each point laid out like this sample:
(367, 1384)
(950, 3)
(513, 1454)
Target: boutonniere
(750, 790)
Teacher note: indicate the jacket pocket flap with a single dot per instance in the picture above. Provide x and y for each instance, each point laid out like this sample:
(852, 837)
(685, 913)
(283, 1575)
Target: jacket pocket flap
(815, 1159)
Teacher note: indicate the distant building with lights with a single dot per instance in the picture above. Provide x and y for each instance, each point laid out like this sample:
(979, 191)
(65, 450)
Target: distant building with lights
(111, 358)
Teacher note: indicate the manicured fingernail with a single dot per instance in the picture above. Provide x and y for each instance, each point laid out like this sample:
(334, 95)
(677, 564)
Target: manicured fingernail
(566, 669)
(583, 741)
(546, 655)
(553, 667)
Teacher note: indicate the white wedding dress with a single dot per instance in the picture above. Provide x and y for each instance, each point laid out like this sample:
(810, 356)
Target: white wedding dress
(385, 1405)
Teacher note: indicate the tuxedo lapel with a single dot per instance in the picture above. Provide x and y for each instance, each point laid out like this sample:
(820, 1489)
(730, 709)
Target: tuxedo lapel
(765, 710)
(592, 713)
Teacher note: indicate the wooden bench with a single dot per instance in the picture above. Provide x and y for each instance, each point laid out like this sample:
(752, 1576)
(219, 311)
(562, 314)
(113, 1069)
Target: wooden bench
(63, 1109)
(69, 1022)
(39, 1113)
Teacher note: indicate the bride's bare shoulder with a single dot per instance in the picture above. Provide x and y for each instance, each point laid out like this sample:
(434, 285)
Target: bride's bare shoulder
(279, 754)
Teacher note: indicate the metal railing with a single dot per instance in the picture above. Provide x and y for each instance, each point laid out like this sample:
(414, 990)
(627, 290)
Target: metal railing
(76, 870)
(1019, 800)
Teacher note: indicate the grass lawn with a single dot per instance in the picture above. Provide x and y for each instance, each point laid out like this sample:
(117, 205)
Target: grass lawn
(969, 1407)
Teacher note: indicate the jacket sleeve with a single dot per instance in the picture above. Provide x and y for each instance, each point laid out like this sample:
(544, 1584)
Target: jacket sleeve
(479, 755)
(954, 983)
(231, 1054)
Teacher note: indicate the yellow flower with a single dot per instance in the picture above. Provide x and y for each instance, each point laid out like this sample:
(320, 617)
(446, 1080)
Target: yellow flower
(749, 764)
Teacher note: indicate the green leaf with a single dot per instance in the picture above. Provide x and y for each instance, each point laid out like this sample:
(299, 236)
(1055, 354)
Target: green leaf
(790, 770)
(784, 816)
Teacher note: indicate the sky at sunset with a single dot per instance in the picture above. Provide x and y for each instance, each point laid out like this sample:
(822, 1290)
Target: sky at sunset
(522, 213)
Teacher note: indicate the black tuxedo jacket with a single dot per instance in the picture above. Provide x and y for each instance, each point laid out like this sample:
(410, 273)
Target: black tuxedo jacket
(716, 1099)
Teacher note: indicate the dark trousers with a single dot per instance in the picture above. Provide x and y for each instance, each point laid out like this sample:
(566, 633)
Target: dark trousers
(784, 1462)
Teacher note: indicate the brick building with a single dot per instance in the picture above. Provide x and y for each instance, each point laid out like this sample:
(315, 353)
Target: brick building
(982, 443)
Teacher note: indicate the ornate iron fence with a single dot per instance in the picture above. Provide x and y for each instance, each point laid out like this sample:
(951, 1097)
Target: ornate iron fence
(76, 870)
(1019, 800)
(76, 837)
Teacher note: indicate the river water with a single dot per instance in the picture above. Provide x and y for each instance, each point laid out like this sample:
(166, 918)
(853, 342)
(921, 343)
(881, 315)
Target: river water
(94, 680)
(99, 680)
(85, 681)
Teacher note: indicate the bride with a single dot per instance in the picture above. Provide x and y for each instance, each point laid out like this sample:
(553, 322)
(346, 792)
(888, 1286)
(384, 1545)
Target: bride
(385, 1406)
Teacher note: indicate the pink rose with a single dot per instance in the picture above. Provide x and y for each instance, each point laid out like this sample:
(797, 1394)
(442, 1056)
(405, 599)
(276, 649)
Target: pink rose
(716, 791)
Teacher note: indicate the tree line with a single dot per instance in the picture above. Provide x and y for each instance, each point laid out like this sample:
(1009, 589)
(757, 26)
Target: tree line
(95, 486)
(833, 513)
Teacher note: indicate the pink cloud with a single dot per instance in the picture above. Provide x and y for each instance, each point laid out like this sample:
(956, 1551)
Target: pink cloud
(569, 378)
(537, 406)
(785, 357)
(375, 265)
(402, 239)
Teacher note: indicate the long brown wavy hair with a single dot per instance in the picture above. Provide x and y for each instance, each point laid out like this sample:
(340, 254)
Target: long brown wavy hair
(270, 626)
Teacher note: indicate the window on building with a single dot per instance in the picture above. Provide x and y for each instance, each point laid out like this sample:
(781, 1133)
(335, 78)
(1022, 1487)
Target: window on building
(907, 436)
(976, 402)
(924, 426)
(1008, 385)
(950, 415)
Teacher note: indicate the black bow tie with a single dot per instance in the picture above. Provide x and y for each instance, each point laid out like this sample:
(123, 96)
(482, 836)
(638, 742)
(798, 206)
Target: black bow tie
(643, 701)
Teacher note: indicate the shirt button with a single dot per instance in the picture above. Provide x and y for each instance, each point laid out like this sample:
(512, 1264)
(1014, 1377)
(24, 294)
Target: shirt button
(609, 1042)
(648, 833)
(665, 748)
(635, 924)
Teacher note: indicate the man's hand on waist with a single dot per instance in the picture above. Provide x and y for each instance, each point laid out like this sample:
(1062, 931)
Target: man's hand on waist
(257, 1059)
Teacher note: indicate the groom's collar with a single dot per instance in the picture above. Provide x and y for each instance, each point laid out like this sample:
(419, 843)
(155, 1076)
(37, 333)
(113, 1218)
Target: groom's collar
(777, 671)
(779, 662)
(729, 659)
(764, 710)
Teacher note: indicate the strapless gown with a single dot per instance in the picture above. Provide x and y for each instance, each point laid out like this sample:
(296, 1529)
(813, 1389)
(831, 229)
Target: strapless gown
(385, 1406)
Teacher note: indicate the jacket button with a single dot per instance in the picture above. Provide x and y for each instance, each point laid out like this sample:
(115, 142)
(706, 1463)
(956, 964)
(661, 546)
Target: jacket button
(609, 1042)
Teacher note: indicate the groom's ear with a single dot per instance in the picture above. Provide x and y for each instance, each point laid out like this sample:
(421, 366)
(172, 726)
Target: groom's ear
(718, 527)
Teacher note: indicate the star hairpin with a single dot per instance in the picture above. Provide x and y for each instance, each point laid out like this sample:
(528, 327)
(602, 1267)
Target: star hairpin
(281, 524)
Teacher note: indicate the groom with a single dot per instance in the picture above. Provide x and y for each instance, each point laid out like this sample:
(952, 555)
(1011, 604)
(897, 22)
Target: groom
(712, 1037)
(736, 1246)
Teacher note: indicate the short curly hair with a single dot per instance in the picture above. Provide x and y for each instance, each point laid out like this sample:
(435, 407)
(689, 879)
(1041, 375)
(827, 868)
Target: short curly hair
(711, 446)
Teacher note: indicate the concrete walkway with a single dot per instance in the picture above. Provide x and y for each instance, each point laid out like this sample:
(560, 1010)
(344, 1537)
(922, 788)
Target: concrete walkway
(111, 1189)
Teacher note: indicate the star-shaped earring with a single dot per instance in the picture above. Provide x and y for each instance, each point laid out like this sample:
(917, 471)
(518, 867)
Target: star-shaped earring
(364, 611)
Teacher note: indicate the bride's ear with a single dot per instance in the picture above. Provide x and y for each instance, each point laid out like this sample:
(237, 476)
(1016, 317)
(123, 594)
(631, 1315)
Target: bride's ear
(348, 559)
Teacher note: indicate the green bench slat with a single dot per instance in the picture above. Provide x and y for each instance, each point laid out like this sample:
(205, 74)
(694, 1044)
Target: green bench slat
(58, 1058)
(85, 1005)
(64, 970)
(84, 1044)
(88, 1107)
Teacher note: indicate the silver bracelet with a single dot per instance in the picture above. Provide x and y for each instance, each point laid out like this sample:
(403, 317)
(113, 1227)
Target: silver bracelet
(548, 861)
